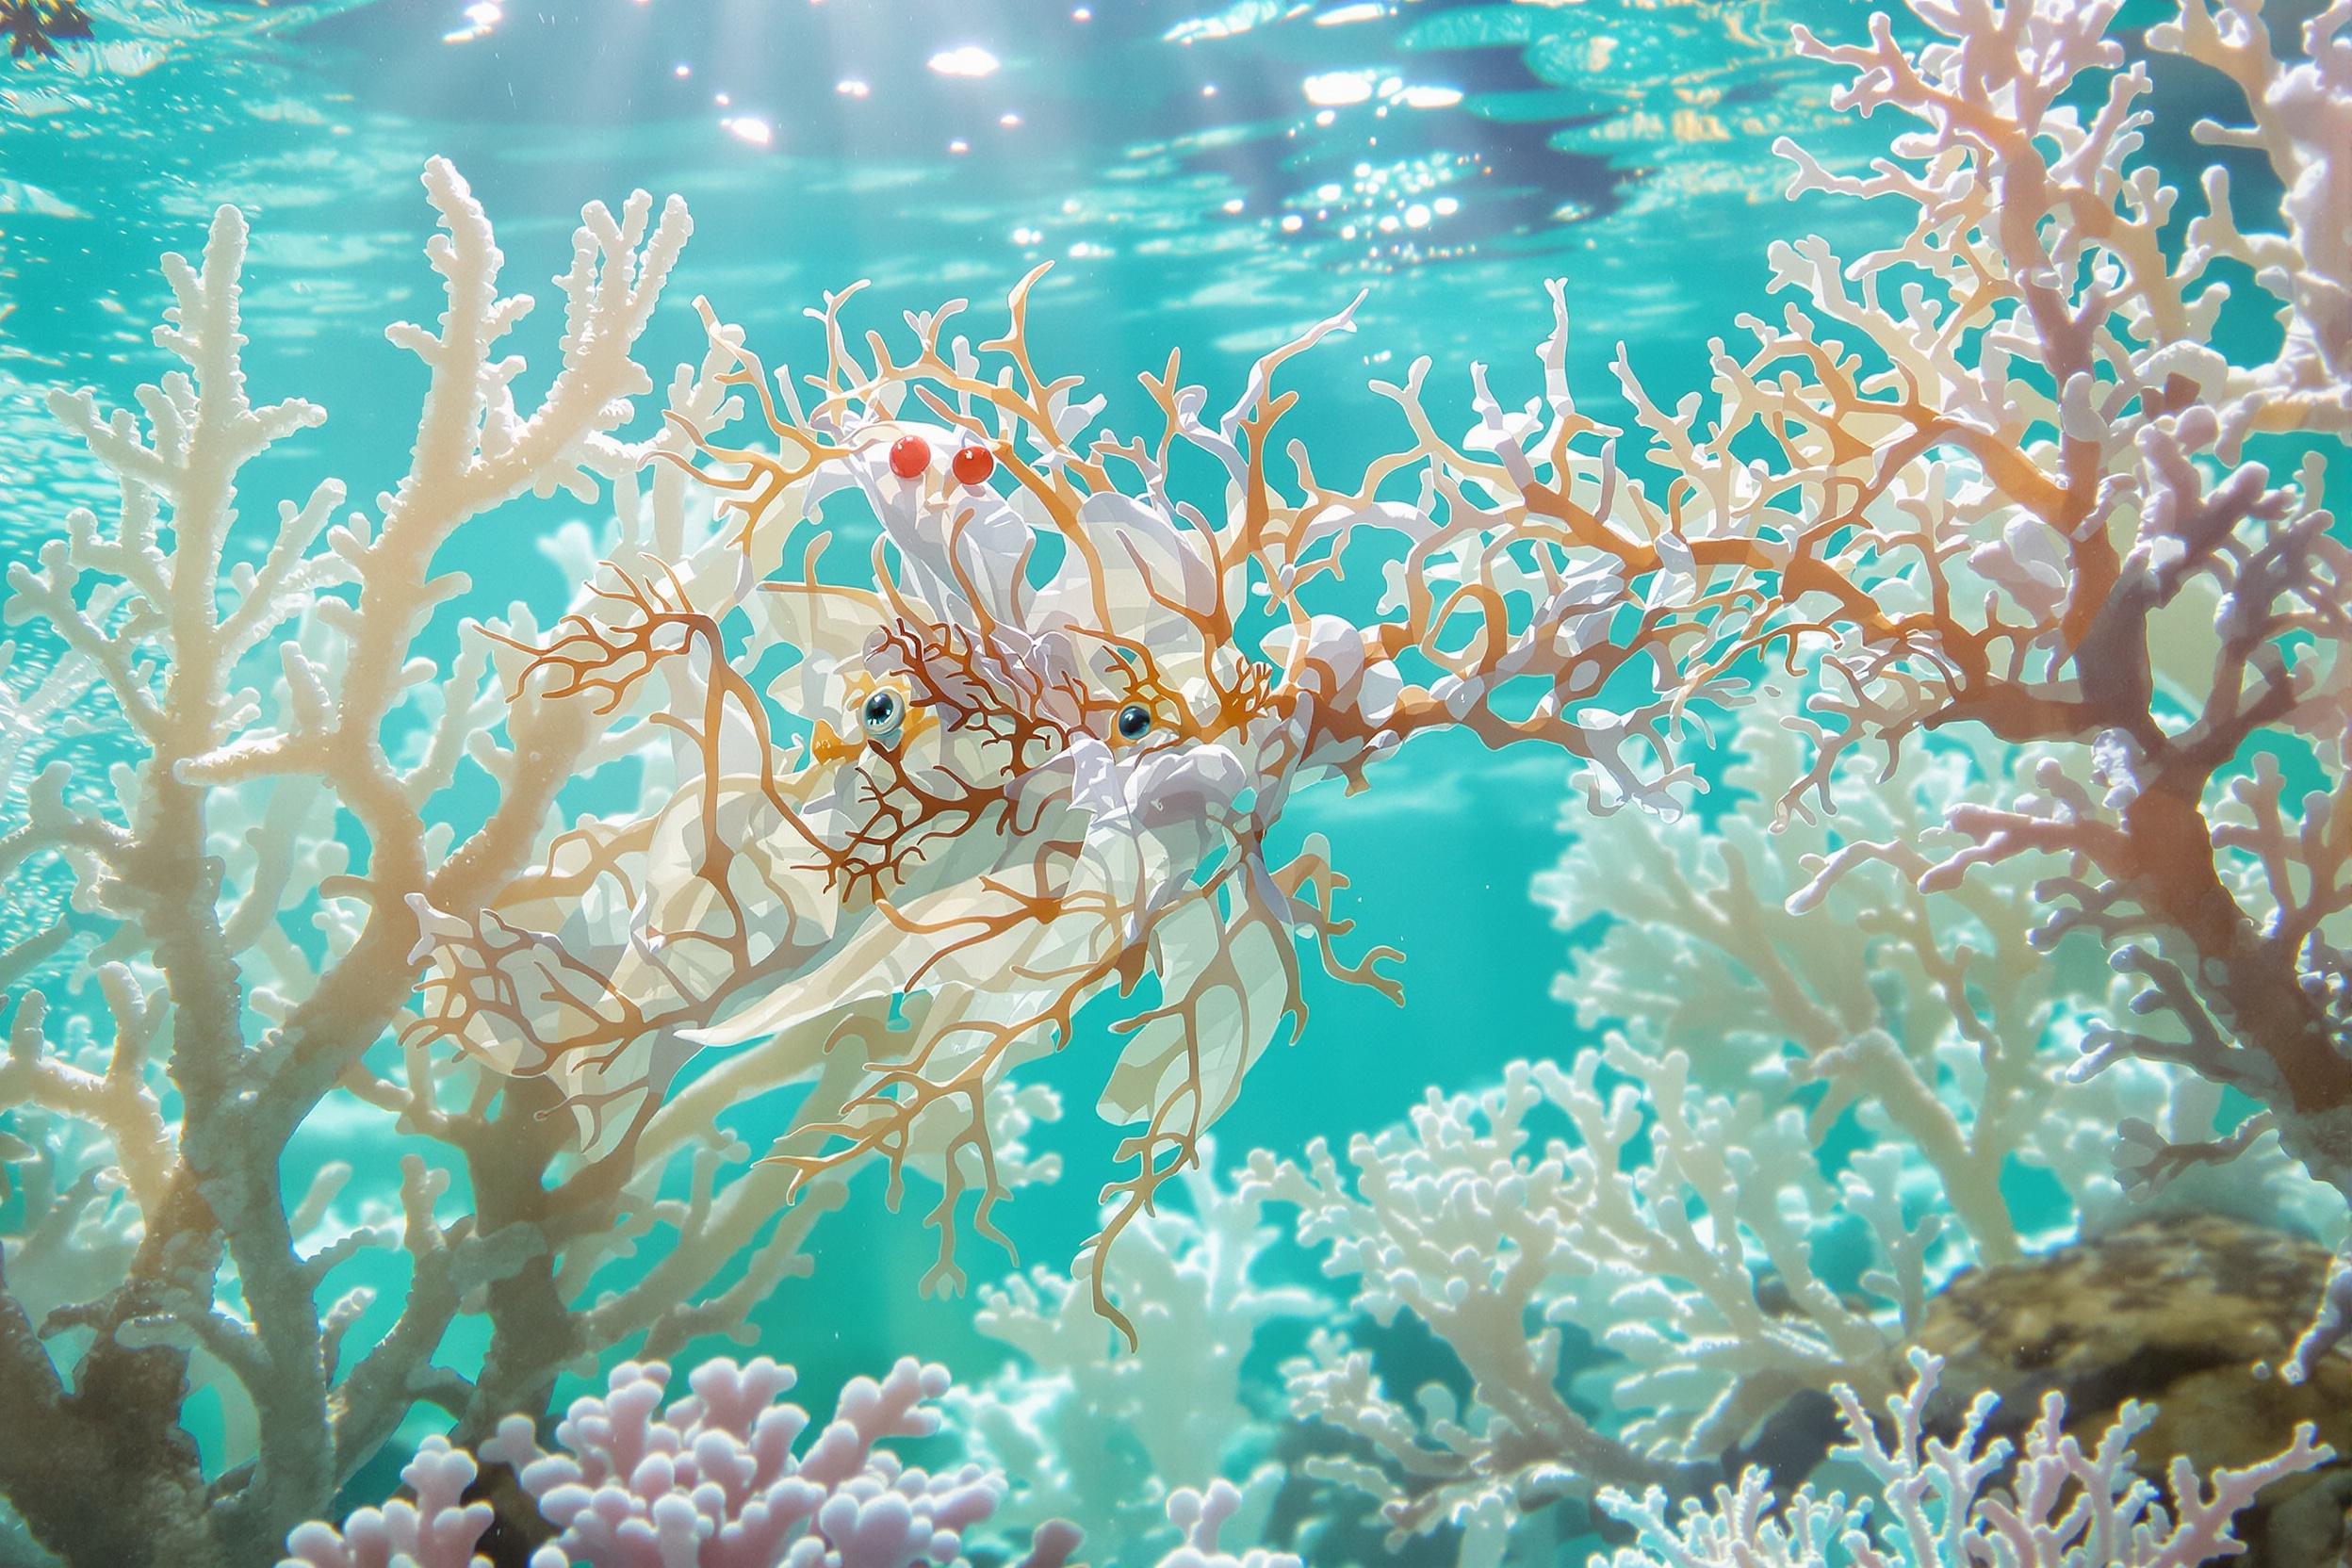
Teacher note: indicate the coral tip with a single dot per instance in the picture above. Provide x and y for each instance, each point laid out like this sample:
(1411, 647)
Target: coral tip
(974, 464)
(909, 455)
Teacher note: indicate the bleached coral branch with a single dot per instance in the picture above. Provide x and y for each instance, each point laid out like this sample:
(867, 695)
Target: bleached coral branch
(1202, 1516)
(1092, 1435)
(1960, 1502)
(1693, 1262)
(1999, 476)
(240, 892)
(1927, 1015)
(1943, 1017)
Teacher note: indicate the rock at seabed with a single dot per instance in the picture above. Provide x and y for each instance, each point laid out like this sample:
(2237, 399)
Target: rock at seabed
(2191, 1313)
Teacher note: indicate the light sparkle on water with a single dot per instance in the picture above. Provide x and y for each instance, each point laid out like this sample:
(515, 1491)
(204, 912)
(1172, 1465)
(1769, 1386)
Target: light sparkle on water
(969, 60)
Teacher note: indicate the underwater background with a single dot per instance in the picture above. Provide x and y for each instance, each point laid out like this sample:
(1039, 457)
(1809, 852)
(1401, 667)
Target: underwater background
(1212, 181)
(1162, 205)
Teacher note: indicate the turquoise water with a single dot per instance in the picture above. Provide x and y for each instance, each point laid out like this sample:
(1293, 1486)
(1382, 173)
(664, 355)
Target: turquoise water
(1161, 207)
(1205, 181)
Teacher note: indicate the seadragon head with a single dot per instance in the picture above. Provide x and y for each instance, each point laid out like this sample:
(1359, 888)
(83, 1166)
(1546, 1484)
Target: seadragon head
(1035, 718)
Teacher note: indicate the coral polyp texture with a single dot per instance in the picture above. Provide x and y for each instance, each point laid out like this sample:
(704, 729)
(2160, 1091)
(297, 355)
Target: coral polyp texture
(712, 1478)
(903, 712)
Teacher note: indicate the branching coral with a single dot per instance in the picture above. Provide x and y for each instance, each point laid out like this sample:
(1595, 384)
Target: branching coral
(1930, 1017)
(710, 1480)
(1202, 1517)
(1960, 1503)
(1696, 1267)
(1038, 753)
(1694, 1258)
(1097, 1437)
(2005, 459)
(249, 890)
(433, 1528)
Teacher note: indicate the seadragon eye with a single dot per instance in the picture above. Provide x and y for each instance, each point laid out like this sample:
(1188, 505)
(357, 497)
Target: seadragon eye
(882, 713)
(1134, 722)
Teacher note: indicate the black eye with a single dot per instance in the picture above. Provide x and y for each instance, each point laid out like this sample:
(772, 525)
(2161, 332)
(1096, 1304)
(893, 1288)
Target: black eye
(1134, 722)
(881, 713)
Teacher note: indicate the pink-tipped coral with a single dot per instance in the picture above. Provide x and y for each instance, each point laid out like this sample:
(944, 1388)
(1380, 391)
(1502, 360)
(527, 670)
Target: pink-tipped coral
(435, 1528)
(712, 1480)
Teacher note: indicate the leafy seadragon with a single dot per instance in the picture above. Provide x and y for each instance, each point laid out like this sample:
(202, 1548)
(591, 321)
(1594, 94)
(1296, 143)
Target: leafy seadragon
(1039, 752)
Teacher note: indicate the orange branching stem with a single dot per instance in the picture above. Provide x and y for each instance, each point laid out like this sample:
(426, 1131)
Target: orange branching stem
(1052, 723)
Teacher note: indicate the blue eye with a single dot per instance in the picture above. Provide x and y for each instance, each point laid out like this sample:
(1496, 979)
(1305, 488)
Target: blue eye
(882, 713)
(1134, 722)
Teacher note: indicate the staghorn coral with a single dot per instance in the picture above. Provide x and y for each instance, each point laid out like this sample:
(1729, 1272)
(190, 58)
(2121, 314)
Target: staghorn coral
(1093, 1437)
(1693, 1260)
(1931, 1024)
(191, 935)
(1942, 1027)
(2187, 1312)
(2007, 458)
(1959, 1503)
(218, 966)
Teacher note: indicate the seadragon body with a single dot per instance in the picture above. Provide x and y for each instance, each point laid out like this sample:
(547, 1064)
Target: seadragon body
(1038, 753)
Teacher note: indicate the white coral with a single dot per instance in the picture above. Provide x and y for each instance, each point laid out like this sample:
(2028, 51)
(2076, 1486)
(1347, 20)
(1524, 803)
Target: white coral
(1203, 1517)
(1695, 1262)
(1959, 1503)
(1801, 961)
(1097, 1436)
(285, 730)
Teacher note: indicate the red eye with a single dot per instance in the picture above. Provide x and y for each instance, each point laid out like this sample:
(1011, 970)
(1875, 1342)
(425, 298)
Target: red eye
(910, 455)
(974, 464)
